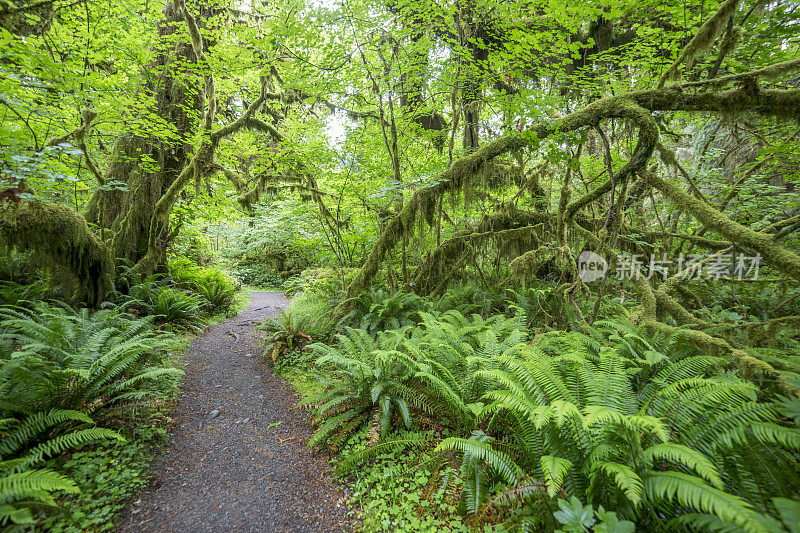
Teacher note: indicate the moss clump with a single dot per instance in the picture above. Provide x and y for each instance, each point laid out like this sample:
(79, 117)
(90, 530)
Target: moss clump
(59, 236)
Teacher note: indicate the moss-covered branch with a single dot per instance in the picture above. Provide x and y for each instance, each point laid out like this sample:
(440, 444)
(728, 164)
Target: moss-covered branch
(633, 106)
(501, 228)
(702, 40)
(656, 302)
(79, 135)
(774, 253)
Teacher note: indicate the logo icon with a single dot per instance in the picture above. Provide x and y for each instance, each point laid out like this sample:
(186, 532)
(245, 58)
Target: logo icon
(591, 266)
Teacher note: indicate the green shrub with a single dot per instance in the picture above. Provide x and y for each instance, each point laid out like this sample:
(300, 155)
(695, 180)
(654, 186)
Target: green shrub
(188, 274)
(217, 295)
(177, 307)
(258, 275)
(330, 282)
(381, 310)
(641, 425)
(215, 288)
(469, 298)
(573, 414)
(368, 374)
(60, 370)
(286, 334)
(26, 444)
(15, 294)
(108, 474)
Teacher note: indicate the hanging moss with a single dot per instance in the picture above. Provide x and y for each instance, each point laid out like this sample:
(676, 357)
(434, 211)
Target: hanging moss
(751, 367)
(460, 248)
(636, 107)
(702, 40)
(730, 41)
(531, 261)
(59, 236)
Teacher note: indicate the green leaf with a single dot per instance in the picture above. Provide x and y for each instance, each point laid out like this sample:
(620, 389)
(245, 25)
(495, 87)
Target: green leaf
(574, 516)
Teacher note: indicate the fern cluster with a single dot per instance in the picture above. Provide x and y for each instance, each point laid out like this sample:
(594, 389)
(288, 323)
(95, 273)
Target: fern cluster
(380, 310)
(216, 290)
(60, 370)
(54, 357)
(368, 372)
(641, 426)
(181, 299)
(25, 445)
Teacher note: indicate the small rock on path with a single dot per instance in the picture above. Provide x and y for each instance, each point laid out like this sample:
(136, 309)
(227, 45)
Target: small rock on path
(236, 460)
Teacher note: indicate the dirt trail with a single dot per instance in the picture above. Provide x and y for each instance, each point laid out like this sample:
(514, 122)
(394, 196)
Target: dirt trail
(237, 460)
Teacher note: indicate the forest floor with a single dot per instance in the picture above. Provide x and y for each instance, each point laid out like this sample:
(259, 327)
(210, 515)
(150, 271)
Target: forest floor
(237, 460)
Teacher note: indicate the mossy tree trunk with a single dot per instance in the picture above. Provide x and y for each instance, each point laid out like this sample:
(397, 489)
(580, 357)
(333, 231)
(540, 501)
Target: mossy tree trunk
(148, 165)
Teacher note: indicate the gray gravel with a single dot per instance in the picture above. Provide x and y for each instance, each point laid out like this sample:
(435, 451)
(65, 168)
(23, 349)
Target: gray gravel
(229, 465)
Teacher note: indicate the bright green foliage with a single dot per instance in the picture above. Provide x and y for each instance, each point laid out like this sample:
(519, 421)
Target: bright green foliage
(26, 444)
(102, 363)
(216, 289)
(404, 488)
(306, 320)
(21, 490)
(218, 296)
(575, 517)
(108, 475)
(60, 370)
(177, 307)
(683, 437)
(475, 140)
(380, 310)
(625, 420)
(469, 298)
(286, 334)
(367, 372)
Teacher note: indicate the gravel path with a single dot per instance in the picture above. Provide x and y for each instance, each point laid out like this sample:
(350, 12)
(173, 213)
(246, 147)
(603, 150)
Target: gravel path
(237, 460)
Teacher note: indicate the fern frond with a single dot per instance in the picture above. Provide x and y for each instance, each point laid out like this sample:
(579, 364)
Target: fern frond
(34, 484)
(693, 492)
(498, 460)
(625, 478)
(678, 453)
(554, 469)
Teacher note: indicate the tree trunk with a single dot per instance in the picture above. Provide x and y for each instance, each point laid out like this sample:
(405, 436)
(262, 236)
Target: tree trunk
(146, 164)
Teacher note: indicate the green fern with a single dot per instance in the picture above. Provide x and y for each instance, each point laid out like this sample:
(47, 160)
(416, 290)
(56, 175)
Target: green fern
(27, 443)
(67, 359)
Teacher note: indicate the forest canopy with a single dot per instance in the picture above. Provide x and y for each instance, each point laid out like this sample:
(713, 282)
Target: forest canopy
(574, 163)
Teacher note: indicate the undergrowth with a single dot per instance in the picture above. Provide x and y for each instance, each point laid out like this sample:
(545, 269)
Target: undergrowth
(86, 395)
(452, 422)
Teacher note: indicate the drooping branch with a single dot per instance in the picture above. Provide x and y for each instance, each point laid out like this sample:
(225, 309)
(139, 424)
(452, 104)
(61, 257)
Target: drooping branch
(646, 143)
(424, 200)
(633, 106)
(513, 231)
(778, 256)
(702, 40)
(79, 135)
(655, 302)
